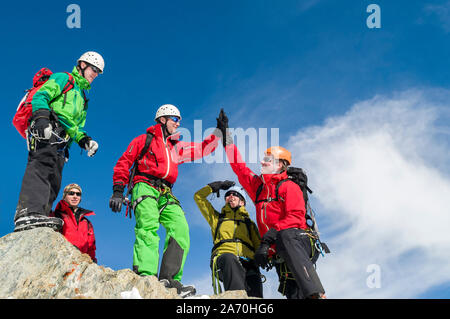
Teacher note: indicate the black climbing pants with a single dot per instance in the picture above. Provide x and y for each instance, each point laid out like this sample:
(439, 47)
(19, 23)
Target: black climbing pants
(239, 274)
(297, 274)
(42, 179)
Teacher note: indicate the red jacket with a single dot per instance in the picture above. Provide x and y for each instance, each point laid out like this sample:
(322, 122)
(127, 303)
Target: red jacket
(80, 234)
(287, 212)
(163, 156)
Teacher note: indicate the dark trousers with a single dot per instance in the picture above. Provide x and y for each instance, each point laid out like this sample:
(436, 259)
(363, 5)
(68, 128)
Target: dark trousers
(298, 278)
(42, 179)
(239, 274)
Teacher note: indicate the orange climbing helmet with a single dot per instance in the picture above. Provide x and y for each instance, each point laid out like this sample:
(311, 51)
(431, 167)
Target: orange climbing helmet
(279, 152)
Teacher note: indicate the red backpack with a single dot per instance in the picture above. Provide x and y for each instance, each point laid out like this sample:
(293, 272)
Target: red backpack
(25, 109)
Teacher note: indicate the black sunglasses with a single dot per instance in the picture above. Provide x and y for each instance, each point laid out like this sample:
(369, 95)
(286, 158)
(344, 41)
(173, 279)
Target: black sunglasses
(95, 69)
(74, 193)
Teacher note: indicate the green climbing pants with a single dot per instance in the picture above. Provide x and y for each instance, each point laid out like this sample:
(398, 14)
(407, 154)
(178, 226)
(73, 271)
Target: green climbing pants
(153, 208)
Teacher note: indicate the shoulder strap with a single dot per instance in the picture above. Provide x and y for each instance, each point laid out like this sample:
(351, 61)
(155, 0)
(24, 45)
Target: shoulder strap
(277, 188)
(69, 85)
(219, 222)
(248, 224)
(258, 192)
(148, 141)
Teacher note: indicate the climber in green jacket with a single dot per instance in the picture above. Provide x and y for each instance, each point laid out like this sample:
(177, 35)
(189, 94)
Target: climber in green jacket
(59, 115)
(235, 239)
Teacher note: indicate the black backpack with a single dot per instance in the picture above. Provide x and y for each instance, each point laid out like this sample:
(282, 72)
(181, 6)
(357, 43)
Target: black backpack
(298, 176)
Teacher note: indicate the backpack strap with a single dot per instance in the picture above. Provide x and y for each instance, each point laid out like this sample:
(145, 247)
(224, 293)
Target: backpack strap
(270, 199)
(69, 85)
(219, 222)
(148, 141)
(247, 222)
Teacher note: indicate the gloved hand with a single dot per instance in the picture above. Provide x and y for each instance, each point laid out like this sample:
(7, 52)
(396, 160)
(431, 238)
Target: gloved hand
(262, 255)
(40, 125)
(216, 186)
(116, 200)
(222, 125)
(270, 236)
(89, 145)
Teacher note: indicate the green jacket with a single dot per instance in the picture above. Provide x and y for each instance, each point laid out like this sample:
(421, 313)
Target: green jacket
(234, 235)
(70, 107)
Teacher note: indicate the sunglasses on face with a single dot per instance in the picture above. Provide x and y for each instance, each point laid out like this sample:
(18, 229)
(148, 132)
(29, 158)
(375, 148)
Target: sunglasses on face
(235, 194)
(267, 159)
(74, 193)
(174, 118)
(95, 69)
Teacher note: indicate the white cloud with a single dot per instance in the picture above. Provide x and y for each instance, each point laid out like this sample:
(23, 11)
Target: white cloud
(381, 196)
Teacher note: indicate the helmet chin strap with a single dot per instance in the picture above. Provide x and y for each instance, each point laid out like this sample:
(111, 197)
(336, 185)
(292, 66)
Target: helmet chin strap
(82, 69)
(165, 130)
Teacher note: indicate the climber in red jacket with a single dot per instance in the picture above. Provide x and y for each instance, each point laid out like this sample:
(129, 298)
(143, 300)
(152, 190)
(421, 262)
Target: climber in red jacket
(281, 220)
(77, 228)
(153, 160)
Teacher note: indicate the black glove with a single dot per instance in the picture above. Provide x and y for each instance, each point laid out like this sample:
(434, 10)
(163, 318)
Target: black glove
(84, 141)
(116, 200)
(89, 145)
(270, 236)
(262, 255)
(222, 125)
(216, 186)
(40, 125)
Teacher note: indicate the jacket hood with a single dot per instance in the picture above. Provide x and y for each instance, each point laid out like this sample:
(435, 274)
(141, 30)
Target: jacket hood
(274, 178)
(64, 207)
(80, 80)
(157, 130)
(241, 210)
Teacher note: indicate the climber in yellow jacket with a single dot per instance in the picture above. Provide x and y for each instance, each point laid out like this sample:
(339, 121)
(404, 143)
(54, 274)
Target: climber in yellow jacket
(235, 239)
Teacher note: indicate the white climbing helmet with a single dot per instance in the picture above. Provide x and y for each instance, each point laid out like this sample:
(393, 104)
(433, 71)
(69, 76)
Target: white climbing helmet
(93, 58)
(167, 110)
(238, 189)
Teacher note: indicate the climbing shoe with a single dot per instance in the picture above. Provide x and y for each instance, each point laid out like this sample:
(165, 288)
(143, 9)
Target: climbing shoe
(183, 291)
(35, 221)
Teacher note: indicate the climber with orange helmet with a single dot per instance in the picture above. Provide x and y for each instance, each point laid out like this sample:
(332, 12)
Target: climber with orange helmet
(280, 215)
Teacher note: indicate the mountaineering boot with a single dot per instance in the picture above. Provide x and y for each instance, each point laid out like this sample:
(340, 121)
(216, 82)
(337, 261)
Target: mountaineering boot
(183, 291)
(35, 221)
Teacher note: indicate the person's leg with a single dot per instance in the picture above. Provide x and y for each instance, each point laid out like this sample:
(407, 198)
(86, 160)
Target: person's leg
(253, 280)
(288, 287)
(177, 241)
(146, 245)
(233, 273)
(294, 246)
(40, 186)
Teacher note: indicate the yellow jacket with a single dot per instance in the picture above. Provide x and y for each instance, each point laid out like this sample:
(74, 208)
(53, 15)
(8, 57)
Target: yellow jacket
(237, 233)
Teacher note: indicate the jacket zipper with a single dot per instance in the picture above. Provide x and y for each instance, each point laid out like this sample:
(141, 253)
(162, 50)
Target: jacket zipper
(234, 234)
(167, 154)
(264, 208)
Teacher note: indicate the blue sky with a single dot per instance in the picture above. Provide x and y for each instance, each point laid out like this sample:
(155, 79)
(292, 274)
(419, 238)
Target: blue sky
(347, 100)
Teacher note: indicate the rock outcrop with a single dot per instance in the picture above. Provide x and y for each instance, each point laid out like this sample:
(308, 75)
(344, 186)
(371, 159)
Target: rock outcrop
(41, 263)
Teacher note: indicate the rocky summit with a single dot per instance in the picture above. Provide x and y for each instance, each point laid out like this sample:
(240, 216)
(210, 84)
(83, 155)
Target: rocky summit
(41, 264)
